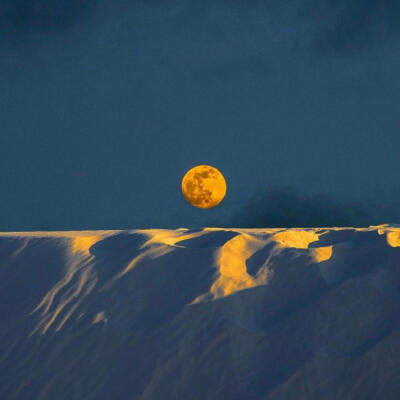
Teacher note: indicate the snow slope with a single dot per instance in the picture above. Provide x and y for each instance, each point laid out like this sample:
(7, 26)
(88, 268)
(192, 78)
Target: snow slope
(207, 313)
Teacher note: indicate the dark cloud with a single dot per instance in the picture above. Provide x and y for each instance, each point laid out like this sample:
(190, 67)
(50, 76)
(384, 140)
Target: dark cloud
(25, 16)
(327, 24)
(99, 124)
(324, 25)
(348, 24)
(286, 207)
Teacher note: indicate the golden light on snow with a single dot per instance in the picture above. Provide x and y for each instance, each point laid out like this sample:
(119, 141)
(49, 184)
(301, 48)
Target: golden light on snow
(322, 254)
(393, 238)
(231, 261)
(84, 243)
(82, 273)
(298, 239)
(204, 186)
(232, 273)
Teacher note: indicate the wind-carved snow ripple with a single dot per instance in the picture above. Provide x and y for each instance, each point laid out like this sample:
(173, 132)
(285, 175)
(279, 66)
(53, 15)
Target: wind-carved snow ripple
(159, 243)
(232, 274)
(230, 258)
(62, 300)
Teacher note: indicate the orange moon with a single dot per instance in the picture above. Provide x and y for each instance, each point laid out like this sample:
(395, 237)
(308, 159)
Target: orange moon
(204, 186)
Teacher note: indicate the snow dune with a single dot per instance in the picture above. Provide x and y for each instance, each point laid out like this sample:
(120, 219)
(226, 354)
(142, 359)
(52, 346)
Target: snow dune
(188, 313)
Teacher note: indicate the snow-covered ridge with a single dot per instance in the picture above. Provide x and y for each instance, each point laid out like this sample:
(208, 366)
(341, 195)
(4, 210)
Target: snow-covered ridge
(153, 314)
(231, 249)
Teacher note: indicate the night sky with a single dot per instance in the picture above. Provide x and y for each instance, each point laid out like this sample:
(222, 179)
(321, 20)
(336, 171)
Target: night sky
(104, 105)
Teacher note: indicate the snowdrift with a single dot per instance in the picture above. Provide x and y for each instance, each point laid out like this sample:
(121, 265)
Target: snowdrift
(207, 313)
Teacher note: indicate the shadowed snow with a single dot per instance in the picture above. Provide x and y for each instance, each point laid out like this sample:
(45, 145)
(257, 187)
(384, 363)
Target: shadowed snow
(187, 313)
(235, 247)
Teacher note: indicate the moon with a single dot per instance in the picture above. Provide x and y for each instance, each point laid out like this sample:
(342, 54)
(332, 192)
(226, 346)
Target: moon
(204, 186)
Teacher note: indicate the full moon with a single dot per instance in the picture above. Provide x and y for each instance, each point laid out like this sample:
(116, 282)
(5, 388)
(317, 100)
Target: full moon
(204, 186)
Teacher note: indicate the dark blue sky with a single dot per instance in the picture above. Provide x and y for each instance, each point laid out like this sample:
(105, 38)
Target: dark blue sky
(104, 105)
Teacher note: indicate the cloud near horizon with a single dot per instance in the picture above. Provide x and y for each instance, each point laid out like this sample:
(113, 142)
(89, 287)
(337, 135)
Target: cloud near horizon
(282, 207)
(103, 117)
